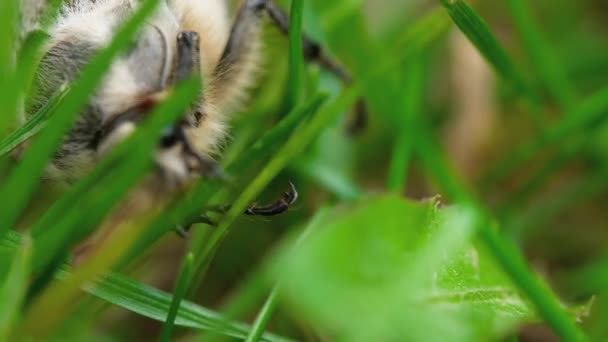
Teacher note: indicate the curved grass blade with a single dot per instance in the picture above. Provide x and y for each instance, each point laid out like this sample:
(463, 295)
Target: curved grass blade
(154, 304)
(33, 125)
(26, 175)
(150, 302)
(295, 145)
(478, 32)
(192, 205)
(264, 316)
(178, 295)
(541, 56)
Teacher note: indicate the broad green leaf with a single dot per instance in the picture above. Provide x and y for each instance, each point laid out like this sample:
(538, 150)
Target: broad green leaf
(503, 249)
(389, 269)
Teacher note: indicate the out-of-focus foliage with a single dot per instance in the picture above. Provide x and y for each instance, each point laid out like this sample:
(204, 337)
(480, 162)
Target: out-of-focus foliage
(470, 205)
(367, 272)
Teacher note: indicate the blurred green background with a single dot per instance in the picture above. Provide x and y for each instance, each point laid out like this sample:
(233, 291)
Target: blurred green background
(488, 120)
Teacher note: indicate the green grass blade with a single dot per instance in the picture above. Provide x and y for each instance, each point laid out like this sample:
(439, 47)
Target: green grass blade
(191, 206)
(149, 302)
(9, 33)
(26, 175)
(33, 44)
(415, 38)
(542, 57)
(33, 125)
(295, 145)
(518, 197)
(263, 317)
(154, 304)
(178, 295)
(479, 33)
(591, 110)
(13, 288)
(412, 105)
(296, 63)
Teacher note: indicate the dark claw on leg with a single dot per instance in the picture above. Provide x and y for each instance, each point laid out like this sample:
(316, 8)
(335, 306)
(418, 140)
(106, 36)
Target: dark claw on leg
(277, 207)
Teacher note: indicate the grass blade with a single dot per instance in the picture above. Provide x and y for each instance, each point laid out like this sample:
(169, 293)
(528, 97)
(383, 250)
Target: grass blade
(261, 321)
(191, 206)
(590, 111)
(26, 174)
(13, 288)
(479, 33)
(9, 33)
(178, 295)
(295, 145)
(296, 63)
(154, 304)
(34, 124)
(412, 105)
(149, 302)
(539, 52)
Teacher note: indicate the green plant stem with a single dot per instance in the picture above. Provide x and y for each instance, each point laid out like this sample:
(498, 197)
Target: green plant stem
(192, 206)
(183, 281)
(296, 63)
(296, 144)
(257, 330)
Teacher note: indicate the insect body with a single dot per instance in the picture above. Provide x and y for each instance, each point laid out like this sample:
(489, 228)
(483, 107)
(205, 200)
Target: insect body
(183, 38)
